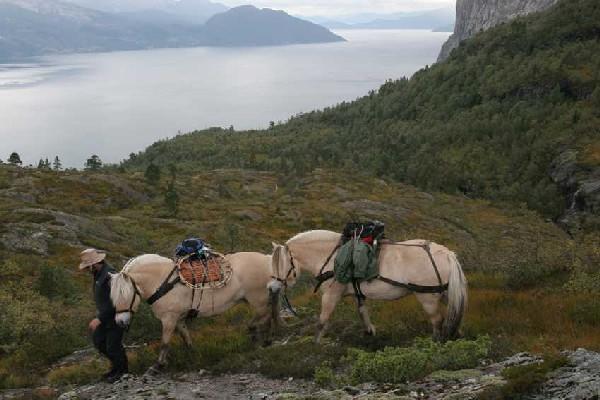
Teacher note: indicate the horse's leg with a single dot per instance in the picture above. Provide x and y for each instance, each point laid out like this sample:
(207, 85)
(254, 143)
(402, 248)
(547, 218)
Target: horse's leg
(184, 332)
(262, 316)
(169, 323)
(431, 305)
(331, 297)
(363, 312)
(252, 328)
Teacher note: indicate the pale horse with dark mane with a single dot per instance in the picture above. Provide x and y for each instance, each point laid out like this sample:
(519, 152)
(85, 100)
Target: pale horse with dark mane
(141, 278)
(404, 268)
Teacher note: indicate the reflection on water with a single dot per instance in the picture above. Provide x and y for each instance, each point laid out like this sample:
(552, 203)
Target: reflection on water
(112, 104)
(12, 75)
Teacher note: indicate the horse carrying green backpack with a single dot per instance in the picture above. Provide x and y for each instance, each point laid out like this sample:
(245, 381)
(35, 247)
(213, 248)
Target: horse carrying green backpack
(357, 257)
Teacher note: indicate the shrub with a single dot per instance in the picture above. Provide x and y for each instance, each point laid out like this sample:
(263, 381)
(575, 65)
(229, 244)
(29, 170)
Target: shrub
(398, 365)
(325, 375)
(526, 275)
(586, 312)
(298, 360)
(524, 379)
(583, 281)
(56, 282)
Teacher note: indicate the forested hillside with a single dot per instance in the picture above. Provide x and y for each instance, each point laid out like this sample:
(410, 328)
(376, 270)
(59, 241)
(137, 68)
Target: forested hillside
(513, 115)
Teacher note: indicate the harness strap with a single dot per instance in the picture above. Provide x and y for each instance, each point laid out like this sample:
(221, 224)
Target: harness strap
(164, 288)
(427, 248)
(441, 288)
(415, 288)
(360, 296)
(136, 293)
(322, 278)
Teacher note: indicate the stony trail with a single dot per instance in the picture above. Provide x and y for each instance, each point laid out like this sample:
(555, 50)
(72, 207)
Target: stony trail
(578, 380)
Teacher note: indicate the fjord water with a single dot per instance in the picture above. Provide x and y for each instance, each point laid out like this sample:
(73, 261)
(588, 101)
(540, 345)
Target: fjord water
(112, 104)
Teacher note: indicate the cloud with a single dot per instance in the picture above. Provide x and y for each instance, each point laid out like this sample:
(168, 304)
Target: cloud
(343, 7)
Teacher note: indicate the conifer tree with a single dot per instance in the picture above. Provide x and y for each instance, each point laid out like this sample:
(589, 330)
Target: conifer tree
(93, 163)
(172, 199)
(57, 165)
(152, 174)
(15, 159)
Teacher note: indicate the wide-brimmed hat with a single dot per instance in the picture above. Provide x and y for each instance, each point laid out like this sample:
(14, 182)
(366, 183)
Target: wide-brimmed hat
(90, 257)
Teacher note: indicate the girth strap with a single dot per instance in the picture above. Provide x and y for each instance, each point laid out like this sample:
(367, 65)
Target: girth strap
(415, 288)
(322, 278)
(164, 288)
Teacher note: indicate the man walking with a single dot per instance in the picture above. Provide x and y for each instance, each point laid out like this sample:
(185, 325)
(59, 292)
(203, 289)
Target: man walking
(107, 335)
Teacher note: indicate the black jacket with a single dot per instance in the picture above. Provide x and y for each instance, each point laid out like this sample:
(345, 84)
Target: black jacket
(105, 311)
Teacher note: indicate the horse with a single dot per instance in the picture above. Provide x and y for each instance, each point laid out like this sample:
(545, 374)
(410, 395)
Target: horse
(430, 271)
(141, 278)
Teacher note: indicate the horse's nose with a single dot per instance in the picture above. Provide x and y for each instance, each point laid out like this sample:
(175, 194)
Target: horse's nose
(274, 286)
(122, 320)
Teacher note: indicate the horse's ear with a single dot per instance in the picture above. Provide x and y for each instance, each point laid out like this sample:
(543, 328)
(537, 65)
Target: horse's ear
(275, 245)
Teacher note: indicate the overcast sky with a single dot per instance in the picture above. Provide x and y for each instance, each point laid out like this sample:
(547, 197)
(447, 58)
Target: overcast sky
(343, 7)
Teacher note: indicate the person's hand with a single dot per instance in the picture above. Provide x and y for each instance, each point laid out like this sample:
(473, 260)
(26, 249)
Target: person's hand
(95, 323)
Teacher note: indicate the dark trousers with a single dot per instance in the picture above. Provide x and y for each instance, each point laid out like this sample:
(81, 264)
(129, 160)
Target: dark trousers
(108, 339)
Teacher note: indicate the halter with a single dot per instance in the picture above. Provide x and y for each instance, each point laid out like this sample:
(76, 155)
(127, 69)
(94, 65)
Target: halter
(136, 293)
(291, 271)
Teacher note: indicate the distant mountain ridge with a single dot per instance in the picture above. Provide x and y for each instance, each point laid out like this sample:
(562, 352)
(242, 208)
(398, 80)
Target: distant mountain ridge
(431, 19)
(250, 26)
(186, 11)
(40, 27)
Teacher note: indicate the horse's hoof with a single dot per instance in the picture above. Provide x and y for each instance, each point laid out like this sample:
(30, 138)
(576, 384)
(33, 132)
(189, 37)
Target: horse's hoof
(154, 370)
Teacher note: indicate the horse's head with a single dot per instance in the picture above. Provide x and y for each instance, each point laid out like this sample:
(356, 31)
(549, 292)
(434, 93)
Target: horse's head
(284, 271)
(125, 296)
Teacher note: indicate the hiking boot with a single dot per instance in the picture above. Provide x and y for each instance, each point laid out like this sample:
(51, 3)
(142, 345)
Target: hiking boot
(115, 377)
(107, 375)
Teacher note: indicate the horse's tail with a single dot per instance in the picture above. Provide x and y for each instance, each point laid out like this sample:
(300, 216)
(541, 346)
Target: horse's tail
(457, 298)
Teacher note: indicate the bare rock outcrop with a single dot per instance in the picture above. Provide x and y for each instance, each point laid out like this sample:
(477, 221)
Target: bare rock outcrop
(473, 16)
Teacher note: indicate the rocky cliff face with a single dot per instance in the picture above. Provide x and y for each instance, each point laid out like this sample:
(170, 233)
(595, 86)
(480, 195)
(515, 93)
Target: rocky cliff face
(473, 16)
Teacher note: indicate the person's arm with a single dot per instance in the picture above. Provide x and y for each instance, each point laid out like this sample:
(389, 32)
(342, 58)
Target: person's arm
(94, 324)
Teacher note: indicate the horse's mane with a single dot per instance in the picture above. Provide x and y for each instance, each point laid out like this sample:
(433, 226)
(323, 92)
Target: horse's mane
(316, 235)
(152, 259)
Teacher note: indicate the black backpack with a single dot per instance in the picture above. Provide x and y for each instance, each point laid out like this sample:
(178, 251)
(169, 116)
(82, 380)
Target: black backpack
(370, 229)
(191, 247)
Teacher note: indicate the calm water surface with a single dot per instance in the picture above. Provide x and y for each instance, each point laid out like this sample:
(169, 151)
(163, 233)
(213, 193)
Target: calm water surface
(112, 104)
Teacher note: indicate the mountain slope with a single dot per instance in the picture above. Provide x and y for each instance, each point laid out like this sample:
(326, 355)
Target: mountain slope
(250, 26)
(48, 217)
(35, 27)
(427, 20)
(187, 11)
(511, 116)
(474, 16)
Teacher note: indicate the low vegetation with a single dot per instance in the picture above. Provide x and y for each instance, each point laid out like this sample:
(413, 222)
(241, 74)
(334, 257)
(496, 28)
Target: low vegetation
(403, 364)
(49, 216)
(524, 380)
